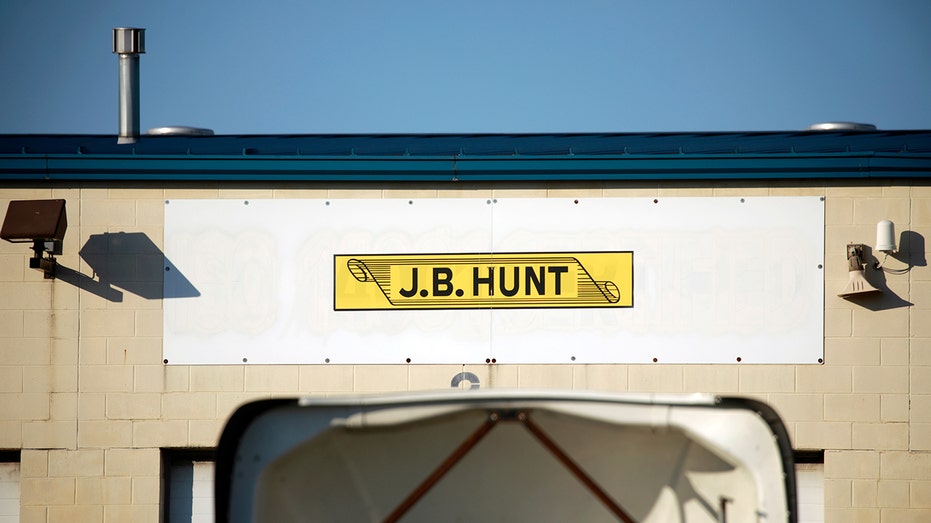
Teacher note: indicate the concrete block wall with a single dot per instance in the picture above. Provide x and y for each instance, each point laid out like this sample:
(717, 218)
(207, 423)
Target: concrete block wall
(85, 394)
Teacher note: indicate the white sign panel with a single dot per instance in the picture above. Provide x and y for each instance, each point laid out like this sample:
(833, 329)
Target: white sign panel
(604, 280)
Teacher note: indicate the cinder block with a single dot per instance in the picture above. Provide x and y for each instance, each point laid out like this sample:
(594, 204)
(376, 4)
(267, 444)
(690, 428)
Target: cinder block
(744, 190)
(150, 212)
(46, 491)
(546, 377)
(838, 492)
(837, 323)
(920, 494)
(12, 267)
(203, 192)
(592, 191)
(11, 379)
(138, 191)
(49, 434)
(273, 378)
(851, 515)
(133, 405)
(189, 405)
(920, 327)
(108, 213)
(228, 402)
(851, 464)
(767, 378)
(25, 295)
(227, 378)
(326, 378)
(63, 406)
(864, 492)
(823, 378)
(11, 326)
(499, 376)
(106, 378)
(161, 378)
(286, 191)
(105, 434)
(921, 210)
(74, 463)
(53, 324)
(92, 406)
(49, 378)
(838, 211)
(146, 491)
(823, 435)
(22, 351)
(375, 378)
(413, 192)
(892, 493)
(103, 491)
(134, 351)
(432, 377)
(920, 380)
(798, 407)
(919, 292)
(884, 323)
(906, 515)
(64, 351)
(11, 434)
(859, 190)
(880, 436)
(852, 351)
(108, 323)
(920, 408)
(612, 378)
(33, 514)
(244, 194)
(205, 433)
(33, 463)
(350, 193)
(93, 351)
(919, 436)
(894, 407)
(132, 462)
(852, 407)
(75, 513)
(122, 513)
(655, 378)
(24, 406)
(872, 210)
(161, 433)
(718, 379)
(895, 351)
(880, 380)
(150, 323)
(905, 465)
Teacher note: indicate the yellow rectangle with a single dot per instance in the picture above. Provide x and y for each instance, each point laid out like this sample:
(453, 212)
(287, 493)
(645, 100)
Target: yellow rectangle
(483, 281)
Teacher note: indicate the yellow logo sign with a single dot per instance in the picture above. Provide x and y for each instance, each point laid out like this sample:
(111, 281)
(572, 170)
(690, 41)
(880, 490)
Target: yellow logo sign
(483, 281)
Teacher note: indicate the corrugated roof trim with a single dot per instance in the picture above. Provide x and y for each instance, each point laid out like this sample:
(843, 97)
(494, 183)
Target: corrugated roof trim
(447, 157)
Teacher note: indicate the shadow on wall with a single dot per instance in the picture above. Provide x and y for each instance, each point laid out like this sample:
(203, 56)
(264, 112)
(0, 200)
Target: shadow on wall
(880, 271)
(129, 261)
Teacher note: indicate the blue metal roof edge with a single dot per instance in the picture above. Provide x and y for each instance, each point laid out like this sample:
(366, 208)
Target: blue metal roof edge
(87, 168)
(904, 154)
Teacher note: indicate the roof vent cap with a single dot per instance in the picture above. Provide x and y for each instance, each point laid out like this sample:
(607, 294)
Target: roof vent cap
(179, 130)
(841, 126)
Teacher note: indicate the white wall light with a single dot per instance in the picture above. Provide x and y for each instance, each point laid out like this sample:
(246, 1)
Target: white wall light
(885, 236)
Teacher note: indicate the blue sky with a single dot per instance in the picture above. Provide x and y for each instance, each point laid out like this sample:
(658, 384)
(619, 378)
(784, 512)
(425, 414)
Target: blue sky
(354, 66)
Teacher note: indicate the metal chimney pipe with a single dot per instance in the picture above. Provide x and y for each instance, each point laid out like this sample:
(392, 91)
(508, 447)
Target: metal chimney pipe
(129, 43)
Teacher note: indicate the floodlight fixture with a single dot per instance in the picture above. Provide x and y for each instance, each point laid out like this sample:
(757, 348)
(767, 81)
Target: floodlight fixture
(857, 284)
(41, 222)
